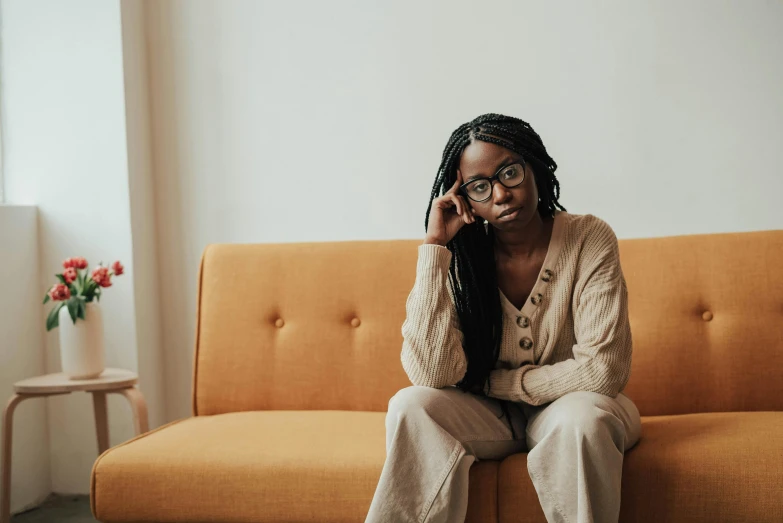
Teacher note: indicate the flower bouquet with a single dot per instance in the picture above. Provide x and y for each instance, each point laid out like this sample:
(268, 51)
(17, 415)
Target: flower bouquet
(76, 295)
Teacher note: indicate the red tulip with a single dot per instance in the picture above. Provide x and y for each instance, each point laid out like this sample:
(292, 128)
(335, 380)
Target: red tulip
(59, 292)
(77, 262)
(101, 276)
(70, 274)
(117, 268)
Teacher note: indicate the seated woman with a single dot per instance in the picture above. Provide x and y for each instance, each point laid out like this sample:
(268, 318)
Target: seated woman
(516, 339)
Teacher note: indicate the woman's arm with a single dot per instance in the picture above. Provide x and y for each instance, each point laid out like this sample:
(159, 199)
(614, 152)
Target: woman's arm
(602, 354)
(432, 353)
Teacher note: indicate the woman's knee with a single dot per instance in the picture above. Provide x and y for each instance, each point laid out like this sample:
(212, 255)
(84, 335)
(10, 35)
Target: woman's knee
(415, 398)
(583, 412)
(418, 404)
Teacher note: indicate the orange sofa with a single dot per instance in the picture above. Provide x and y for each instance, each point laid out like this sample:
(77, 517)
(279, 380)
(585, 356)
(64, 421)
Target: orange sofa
(298, 352)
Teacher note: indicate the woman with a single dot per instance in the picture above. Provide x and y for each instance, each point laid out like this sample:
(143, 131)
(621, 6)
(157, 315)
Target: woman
(516, 339)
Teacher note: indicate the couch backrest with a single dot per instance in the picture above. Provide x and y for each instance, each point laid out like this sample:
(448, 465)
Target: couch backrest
(341, 306)
(706, 316)
(317, 325)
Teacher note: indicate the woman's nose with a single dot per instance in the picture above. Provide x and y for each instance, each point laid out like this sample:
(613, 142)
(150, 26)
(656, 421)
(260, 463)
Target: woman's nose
(500, 193)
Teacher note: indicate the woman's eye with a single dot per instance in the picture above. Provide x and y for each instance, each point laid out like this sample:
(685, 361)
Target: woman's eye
(510, 173)
(480, 187)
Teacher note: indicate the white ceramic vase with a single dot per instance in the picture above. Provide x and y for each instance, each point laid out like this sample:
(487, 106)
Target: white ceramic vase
(82, 345)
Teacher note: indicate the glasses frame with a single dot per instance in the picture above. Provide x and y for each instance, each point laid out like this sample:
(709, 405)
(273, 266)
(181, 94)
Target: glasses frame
(463, 189)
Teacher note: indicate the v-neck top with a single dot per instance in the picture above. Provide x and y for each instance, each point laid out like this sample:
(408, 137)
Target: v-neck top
(553, 251)
(571, 334)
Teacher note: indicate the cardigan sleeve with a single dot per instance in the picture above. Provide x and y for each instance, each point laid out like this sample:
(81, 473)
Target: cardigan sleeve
(602, 354)
(432, 353)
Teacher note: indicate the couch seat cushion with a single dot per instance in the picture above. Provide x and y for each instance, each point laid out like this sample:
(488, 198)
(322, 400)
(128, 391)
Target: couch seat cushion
(246, 466)
(276, 466)
(725, 466)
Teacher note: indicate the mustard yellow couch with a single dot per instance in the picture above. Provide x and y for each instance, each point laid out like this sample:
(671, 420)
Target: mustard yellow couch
(298, 352)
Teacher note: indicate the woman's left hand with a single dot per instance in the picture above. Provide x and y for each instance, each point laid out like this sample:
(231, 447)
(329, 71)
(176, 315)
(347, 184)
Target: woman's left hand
(477, 389)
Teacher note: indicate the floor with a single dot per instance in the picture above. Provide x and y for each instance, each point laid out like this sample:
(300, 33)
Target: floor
(60, 509)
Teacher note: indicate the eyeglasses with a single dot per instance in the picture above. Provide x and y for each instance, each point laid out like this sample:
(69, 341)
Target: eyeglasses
(480, 189)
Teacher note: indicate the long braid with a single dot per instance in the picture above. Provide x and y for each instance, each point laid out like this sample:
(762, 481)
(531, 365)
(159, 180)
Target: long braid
(473, 272)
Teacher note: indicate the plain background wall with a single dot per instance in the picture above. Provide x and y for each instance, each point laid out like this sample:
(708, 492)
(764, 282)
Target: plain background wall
(66, 151)
(20, 352)
(315, 121)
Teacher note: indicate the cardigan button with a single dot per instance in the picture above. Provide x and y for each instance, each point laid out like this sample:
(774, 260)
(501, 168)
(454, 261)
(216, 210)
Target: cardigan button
(547, 275)
(523, 321)
(526, 343)
(536, 299)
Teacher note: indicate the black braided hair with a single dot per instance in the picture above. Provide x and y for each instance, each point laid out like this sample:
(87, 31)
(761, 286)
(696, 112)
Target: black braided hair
(473, 273)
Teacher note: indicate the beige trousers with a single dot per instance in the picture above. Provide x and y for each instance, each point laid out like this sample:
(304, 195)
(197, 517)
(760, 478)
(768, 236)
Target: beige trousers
(575, 448)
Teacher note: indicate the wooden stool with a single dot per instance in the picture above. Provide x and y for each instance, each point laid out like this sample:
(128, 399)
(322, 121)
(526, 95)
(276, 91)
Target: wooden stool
(111, 380)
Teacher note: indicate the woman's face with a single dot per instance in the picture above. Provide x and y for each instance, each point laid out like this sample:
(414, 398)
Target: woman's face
(484, 159)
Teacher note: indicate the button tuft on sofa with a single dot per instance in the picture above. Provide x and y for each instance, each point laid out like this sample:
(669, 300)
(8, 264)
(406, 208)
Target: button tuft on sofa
(279, 322)
(706, 316)
(355, 322)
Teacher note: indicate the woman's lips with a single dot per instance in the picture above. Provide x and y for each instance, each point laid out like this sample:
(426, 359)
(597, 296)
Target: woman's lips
(510, 215)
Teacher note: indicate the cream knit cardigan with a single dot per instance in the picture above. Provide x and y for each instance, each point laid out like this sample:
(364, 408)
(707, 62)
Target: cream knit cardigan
(572, 333)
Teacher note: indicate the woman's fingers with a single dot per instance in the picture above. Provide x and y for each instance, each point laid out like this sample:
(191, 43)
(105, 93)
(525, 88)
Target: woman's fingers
(457, 183)
(463, 209)
(469, 214)
(458, 204)
(455, 187)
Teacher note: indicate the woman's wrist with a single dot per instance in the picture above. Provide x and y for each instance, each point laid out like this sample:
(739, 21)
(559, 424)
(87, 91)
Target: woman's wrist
(431, 241)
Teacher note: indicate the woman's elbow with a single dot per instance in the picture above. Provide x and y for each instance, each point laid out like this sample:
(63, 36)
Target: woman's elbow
(427, 376)
(612, 380)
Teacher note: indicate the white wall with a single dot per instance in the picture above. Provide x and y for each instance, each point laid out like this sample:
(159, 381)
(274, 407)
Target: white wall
(22, 353)
(66, 151)
(278, 122)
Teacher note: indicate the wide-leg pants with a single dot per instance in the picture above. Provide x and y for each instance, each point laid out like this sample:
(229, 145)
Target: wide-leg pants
(575, 448)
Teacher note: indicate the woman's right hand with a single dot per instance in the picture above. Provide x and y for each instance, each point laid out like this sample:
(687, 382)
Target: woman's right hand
(448, 214)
